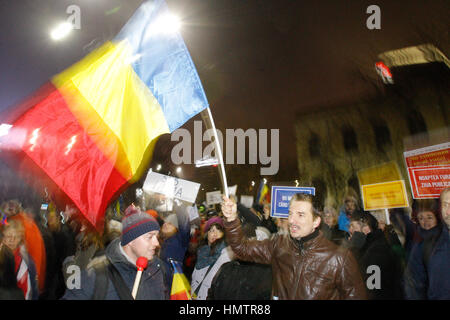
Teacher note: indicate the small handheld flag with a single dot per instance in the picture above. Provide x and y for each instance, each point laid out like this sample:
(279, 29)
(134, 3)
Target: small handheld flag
(181, 289)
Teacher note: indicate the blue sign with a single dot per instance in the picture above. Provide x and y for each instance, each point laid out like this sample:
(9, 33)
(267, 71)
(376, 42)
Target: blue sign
(281, 196)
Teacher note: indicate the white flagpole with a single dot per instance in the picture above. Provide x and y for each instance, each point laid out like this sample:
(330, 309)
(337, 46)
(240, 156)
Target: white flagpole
(209, 122)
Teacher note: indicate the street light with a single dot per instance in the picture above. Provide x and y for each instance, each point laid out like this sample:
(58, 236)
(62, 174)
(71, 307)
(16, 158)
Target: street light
(166, 24)
(4, 129)
(178, 170)
(61, 31)
(158, 167)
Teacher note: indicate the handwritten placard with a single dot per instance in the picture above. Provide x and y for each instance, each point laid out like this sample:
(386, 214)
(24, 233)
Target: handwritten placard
(171, 187)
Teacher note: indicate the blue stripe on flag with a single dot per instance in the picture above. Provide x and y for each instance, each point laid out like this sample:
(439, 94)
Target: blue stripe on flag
(163, 63)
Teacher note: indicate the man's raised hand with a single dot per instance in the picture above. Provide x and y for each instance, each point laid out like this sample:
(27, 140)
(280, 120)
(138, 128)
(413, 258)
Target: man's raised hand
(229, 209)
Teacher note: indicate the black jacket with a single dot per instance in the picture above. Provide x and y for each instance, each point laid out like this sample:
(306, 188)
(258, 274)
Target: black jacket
(376, 254)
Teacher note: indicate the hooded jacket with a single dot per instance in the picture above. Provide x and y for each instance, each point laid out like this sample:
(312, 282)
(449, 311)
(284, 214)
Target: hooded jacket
(377, 252)
(316, 269)
(152, 285)
(432, 281)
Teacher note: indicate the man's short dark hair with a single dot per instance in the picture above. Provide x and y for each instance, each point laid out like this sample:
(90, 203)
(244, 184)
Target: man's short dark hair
(308, 198)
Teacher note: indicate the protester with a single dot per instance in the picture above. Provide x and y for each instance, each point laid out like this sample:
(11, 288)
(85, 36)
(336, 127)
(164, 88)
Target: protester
(305, 265)
(33, 238)
(329, 226)
(8, 281)
(90, 245)
(65, 246)
(427, 276)
(210, 257)
(282, 225)
(379, 266)
(25, 269)
(445, 206)
(242, 280)
(112, 277)
(175, 235)
(50, 253)
(351, 205)
(267, 221)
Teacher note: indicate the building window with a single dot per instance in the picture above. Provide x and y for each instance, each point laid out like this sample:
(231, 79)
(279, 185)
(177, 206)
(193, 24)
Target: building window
(314, 146)
(416, 123)
(382, 134)
(350, 140)
(321, 193)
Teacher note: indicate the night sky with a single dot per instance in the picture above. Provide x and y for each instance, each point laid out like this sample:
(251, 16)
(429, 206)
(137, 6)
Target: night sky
(261, 62)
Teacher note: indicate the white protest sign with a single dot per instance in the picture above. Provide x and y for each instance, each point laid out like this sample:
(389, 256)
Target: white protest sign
(171, 187)
(213, 197)
(247, 201)
(232, 190)
(193, 213)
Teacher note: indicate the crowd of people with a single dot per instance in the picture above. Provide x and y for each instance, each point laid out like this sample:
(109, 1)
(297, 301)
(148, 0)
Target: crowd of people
(229, 251)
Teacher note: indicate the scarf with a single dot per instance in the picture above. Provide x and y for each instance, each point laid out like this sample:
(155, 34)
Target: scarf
(204, 257)
(23, 276)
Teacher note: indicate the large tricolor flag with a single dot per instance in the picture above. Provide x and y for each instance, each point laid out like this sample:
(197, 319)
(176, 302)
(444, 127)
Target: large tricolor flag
(181, 289)
(94, 128)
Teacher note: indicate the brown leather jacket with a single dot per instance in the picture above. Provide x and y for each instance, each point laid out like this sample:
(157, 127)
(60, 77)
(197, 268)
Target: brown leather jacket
(320, 270)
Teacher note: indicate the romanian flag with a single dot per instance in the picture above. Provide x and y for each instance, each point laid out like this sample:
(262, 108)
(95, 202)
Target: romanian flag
(181, 289)
(3, 218)
(93, 128)
(263, 193)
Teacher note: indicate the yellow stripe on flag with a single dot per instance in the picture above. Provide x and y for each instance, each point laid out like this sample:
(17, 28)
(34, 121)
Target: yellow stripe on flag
(180, 284)
(114, 106)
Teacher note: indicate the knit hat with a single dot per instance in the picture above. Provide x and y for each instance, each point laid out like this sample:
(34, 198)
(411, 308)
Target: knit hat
(211, 221)
(136, 223)
(172, 218)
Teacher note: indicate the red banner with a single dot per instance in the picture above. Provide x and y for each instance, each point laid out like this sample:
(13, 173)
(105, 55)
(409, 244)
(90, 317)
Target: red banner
(428, 170)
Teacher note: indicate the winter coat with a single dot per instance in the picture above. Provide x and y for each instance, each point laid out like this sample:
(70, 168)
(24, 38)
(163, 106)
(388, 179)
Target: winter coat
(176, 246)
(317, 270)
(430, 281)
(343, 221)
(376, 252)
(8, 281)
(152, 285)
(241, 280)
(333, 234)
(204, 278)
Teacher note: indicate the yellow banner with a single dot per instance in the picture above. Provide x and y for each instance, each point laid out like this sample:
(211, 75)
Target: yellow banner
(382, 173)
(384, 195)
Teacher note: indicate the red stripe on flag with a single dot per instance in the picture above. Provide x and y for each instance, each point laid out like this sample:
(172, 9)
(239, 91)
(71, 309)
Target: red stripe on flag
(182, 295)
(57, 143)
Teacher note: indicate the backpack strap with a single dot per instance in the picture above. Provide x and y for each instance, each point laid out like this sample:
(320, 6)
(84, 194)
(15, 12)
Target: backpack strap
(200, 284)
